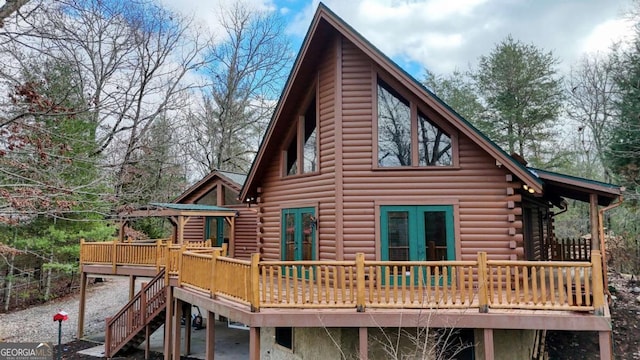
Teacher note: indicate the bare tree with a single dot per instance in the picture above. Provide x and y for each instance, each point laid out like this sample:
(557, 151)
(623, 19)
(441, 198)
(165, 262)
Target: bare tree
(246, 73)
(9, 7)
(591, 104)
(132, 59)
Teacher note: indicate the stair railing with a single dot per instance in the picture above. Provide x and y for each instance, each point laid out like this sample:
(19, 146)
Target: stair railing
(148, 303)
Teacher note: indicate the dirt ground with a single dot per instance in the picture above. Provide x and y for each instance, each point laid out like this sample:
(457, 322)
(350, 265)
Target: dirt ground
(625, 317)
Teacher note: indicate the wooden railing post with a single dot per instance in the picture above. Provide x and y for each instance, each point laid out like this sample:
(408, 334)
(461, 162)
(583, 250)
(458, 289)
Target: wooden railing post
(183, 248)
(360, 282)
(143, 303)
(107, 339)
(214, 275)
(598, 283)
(483, 301)
(82, 250)
(254, 289)
(158, 254)
(114, 255)
(225, 248)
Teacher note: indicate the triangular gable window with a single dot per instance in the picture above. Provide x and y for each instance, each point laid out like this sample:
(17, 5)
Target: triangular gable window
(406, 136)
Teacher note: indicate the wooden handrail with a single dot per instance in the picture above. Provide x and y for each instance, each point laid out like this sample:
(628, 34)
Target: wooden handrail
(361, 284)
(135, 315)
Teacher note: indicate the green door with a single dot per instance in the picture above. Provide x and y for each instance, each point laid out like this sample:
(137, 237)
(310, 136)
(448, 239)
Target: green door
(417, 233)
(298, 234)
(214, 229)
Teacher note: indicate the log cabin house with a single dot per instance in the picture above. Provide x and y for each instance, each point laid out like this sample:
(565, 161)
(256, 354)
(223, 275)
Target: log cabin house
(378, 208)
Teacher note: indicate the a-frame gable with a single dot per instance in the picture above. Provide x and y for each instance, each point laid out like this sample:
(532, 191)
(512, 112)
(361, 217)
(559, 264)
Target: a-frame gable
(229, 180)
(325, 22)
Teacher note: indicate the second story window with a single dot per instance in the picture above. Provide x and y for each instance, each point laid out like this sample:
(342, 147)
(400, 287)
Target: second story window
(301, 154)
(406, 136)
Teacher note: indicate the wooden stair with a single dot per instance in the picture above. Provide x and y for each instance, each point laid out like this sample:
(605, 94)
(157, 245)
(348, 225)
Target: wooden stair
(139, 318)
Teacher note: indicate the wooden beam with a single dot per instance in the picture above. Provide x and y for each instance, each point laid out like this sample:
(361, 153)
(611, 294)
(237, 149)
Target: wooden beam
(363, 349)
(232, 237)
(175, 349)
(593, 220)
(489, 352)
(210, 338)
(132, 286)
(82, 305)
(605, 345)
(254, 343)
(187, 331)
(168, 328)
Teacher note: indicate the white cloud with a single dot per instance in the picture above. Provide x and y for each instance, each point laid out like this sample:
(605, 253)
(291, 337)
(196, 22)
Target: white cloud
(605, 34)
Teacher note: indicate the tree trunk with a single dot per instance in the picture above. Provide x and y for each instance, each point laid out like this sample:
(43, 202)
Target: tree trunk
(9, 282)
(47, 290)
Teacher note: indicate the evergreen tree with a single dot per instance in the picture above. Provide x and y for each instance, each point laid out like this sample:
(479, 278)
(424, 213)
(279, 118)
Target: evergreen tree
(523, 95)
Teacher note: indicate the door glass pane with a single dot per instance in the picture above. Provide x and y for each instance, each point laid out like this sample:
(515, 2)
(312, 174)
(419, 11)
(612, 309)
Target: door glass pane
(307, 236)
(435, 231)
(394, 128)
(398, 235)
(290, 232)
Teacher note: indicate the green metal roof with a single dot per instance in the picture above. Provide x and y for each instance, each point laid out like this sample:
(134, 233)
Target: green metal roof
(192, 207)
(541, 174)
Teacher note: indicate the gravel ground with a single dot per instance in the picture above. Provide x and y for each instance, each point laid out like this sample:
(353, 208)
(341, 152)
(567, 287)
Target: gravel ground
(36, 323)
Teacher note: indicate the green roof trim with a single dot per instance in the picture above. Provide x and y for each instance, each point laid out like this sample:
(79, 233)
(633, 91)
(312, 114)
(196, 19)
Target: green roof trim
(538, 172)
(192, 207)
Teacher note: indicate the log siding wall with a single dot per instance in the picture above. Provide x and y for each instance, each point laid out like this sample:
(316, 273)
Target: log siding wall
(485, 213)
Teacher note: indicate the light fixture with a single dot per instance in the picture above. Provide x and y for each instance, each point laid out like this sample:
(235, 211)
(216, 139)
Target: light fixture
(525, 187)
(531, 190)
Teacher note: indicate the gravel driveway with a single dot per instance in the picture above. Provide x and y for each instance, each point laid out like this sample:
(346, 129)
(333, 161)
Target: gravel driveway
(36, 324)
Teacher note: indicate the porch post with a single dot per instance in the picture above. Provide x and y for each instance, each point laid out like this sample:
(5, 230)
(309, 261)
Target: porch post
(210, 338)
(187, 331)
(132, 286)
(363, 349)
(605, 345)
(489, 352)
(82, 305)
(254, 343)
(594, 222)
(168, 328)
(175, 350)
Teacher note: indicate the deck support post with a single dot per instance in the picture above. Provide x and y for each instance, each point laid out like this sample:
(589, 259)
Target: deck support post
(254, 343)
(187, 330)
(210, 337)
(489, 352)
(605, 345)
(168, 328)
(177, 333)
(363, 349)
(147, 342)
(82, 305)
(132, 286)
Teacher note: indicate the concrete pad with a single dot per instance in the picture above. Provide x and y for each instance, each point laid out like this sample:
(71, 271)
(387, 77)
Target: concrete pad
(231, 344)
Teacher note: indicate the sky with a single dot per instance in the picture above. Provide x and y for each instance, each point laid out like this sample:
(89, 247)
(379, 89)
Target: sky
(445, 35)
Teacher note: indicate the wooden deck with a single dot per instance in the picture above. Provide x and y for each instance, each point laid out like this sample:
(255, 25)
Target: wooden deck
(361, 285)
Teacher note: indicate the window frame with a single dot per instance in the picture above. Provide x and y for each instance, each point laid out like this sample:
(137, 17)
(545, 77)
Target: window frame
(416, 107)
(298, 132)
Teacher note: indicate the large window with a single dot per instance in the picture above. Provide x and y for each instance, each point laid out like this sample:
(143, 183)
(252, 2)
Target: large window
(406, 136)
(301, 155)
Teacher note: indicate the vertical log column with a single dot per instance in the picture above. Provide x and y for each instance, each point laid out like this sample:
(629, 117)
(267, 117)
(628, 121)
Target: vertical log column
(254, 343)
(594, 222)
(82, 305)
(363, 348)
(168, 328)
(210, 339)
(489, 352)
(606, 352)
(177, 329)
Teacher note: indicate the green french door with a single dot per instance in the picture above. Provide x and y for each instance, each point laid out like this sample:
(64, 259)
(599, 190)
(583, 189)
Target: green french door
(298, 234)
(214, 229)
(417, 233)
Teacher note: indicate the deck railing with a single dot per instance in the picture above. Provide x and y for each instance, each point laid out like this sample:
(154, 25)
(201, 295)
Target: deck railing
(361, 284)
